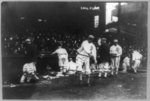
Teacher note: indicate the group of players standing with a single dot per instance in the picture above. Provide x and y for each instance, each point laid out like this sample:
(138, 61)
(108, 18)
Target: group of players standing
(103, 59)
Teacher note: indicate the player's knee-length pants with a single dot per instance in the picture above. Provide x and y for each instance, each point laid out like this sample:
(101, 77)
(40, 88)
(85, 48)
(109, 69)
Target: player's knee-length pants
(83, 64)
(115, 62)
(136, 64)
(63, 60)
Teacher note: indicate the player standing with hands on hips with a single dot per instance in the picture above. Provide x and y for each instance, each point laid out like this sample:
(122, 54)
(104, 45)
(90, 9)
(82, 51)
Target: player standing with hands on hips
(85, 52)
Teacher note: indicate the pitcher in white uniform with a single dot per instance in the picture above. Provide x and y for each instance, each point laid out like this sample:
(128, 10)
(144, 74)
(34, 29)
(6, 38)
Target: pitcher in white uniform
(86, 51)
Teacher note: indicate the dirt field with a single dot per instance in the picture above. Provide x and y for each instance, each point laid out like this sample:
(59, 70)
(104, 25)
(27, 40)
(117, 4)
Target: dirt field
(125, 86)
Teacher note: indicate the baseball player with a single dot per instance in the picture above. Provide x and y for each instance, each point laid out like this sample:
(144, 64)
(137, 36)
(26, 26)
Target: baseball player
(136, 60)
(86, 51)
(29, 72)
(62, 58)
(115, 54)
(72, 67)
(126, 64)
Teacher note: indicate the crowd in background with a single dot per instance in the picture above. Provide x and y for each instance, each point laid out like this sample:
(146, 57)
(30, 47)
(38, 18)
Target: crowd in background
(13, 43)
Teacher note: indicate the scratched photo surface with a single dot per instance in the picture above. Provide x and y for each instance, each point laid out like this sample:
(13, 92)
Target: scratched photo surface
(74, 50)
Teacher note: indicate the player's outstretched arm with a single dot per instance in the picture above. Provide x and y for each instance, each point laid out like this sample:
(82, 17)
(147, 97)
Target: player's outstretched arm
(53, 53)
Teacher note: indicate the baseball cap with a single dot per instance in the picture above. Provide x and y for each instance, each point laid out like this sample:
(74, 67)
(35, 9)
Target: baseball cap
(27, 40)
(115, 40)
(91, 36)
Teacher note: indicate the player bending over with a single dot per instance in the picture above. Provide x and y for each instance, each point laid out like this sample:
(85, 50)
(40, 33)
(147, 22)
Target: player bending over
(62, 58)
(126, 63)
(86, 51)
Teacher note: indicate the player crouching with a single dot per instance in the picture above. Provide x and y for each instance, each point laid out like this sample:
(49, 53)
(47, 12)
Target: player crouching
(103, 69)
(71, 67)
(29, 72)
(126, 64)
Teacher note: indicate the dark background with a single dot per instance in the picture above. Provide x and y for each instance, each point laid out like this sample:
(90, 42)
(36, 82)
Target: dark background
(60, 16)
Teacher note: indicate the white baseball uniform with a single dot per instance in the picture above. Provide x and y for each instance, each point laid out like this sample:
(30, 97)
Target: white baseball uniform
(136, 59)
(72, 67)
(126, 64)
(62, 56)
(83, 58)
(115, 52)
(104, 67)
(29, 70)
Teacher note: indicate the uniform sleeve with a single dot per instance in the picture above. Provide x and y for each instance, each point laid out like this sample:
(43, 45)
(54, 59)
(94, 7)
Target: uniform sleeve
(24, 68)
(110, 50)
(34, 67)
(119, 51)
(133, 56)
(56, 51)
(94, 53)
(66, 52)
(81, 48)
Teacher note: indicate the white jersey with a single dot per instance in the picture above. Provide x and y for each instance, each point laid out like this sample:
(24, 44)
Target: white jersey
(136, 55)
(126, 60)
(62, 56)
(104, 67)
(61, 52)
(87, 49)
(116, 50)
(29, 68)
(72, 66)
